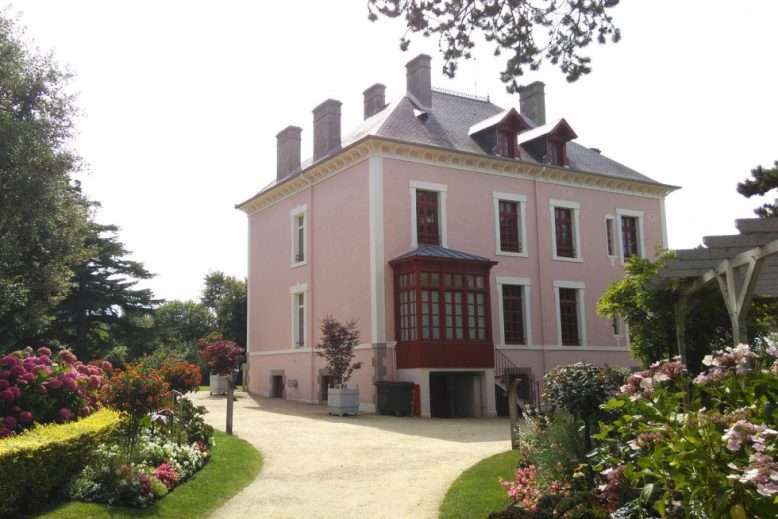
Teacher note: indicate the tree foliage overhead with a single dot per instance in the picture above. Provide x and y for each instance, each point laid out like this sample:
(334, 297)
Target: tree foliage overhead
(227, 298)
(529, 31)
(650, 314)
(103, 304)
(762, 181)
(43, 215)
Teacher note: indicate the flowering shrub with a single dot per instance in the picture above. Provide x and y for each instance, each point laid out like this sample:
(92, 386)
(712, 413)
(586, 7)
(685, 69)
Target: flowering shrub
(45, 387)
(136, 390)
(221, 355)
(138, 478)
(710, 453)
(181, 375)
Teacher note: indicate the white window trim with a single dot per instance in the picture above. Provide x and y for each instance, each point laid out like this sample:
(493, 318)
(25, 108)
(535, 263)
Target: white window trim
(442, 190)
(576, 207)
(525, 298)
(633, 214)
(294, 214)
(579, 303)
(522, 203)
(299, 288)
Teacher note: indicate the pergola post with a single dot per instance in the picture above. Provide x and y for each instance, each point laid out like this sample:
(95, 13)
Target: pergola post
(681, 311)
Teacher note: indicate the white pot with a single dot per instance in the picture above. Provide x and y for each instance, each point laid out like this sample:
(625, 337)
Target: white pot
(218, 384)
(343, 400)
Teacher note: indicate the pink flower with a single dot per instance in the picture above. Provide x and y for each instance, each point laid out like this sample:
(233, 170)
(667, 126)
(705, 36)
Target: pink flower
(67, 357)
(85, 410)
(107, 366)
(65, 414)
(10, 422)
(4, 384)
(10, 360)
(44, 351)
(4, 431)
(5, 374)
(18, 371)
(94, 382)
(54, 383)
(25, 417)
(7, 395)
(69, 383)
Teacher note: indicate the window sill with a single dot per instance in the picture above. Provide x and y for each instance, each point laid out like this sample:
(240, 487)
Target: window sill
(514, 254)
(565, 258)
(300, 264)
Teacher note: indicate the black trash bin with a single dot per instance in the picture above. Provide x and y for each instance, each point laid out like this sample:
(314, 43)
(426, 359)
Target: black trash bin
(395, 398)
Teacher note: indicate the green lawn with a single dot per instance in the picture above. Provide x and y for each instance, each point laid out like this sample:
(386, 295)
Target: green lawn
(477, 492)
(234, 464)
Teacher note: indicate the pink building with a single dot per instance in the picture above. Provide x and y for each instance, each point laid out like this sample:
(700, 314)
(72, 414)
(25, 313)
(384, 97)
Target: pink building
(470, 242)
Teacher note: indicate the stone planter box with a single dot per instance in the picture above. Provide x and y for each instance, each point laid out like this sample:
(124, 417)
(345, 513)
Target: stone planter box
(343, 400)
(218, 385)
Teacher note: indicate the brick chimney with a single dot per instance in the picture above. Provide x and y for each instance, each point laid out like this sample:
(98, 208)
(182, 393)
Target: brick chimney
(532, 102)
(375, 99)
(326, 128)
(419, 81)
(288, 141)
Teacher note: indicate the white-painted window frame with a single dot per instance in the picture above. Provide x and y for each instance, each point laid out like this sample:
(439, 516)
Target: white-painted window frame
(526, 285)
(633, 214)
(294, 292)
(301, 211)
(521, 200)
(577, 246)
(442, 190)
(580, 288)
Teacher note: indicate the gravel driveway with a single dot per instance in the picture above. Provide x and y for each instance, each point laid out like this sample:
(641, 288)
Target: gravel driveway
(365, 466)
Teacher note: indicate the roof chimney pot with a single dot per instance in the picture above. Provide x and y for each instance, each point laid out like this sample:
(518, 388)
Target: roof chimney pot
(326, 128)
(532, 102)
(419, 81)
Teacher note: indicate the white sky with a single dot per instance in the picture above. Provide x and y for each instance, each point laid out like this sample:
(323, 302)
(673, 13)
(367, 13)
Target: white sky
(181, 102)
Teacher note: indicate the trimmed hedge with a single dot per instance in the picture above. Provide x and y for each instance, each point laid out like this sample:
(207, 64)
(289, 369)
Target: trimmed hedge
(38, 462)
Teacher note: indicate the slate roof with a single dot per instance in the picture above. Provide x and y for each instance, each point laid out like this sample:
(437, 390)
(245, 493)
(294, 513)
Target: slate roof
(448, 125)
(436, 251)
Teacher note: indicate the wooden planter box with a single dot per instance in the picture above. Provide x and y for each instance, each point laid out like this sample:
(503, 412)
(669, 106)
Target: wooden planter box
(218, 385)
(343, 400)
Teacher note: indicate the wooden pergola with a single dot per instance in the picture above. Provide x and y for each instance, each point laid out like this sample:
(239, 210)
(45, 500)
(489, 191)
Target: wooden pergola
(743, 265)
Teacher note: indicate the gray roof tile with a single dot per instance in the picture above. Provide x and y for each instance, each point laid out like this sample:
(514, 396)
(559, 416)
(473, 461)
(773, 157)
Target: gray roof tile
(436, 251)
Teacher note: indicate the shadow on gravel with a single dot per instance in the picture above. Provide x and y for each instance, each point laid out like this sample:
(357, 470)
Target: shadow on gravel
(460, 430)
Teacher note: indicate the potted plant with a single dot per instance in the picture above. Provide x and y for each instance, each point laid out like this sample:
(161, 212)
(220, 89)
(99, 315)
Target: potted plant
(337, 347)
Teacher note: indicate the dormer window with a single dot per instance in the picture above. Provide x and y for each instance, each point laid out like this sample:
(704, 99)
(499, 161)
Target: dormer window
(497, 134)
(556, 152)
(548, 143)
(506, 143)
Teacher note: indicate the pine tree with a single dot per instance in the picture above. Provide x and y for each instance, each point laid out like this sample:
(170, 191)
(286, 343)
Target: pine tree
(761, 182)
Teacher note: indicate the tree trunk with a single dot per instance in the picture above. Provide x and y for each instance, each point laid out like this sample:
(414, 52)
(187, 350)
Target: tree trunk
(230, 399)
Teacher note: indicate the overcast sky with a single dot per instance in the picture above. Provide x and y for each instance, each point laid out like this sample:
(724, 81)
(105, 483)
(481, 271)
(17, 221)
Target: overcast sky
(181, 102)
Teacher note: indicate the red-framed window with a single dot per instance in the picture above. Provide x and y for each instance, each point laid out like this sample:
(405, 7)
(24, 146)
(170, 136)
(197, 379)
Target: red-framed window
(406, 301)
(427, 228)
(568, 316)
(506, 144)
(510, 240)
(629, 236)
(563, 227)
(513, 314)
(442, 302)
(556, 153)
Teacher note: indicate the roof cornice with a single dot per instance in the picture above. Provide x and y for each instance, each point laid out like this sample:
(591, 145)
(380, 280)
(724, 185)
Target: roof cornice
(396, 149)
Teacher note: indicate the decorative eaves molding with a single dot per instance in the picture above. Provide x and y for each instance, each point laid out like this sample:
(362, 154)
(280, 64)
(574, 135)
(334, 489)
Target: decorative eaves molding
(372, 145)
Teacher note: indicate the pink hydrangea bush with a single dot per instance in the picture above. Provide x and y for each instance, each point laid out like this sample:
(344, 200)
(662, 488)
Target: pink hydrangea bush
(707, 445)
(42, 386)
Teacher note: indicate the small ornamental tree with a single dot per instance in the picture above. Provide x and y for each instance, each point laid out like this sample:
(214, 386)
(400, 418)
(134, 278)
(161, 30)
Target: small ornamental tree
(337, 344)
(181, 375)
(581, 389)
(222, 357)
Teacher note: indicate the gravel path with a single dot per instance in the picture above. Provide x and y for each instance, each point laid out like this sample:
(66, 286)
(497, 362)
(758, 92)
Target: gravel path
(366, 466)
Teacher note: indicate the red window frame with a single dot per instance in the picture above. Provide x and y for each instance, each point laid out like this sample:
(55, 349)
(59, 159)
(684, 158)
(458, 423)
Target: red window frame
(513, 314)
(556, 152)
(629, 236)
(563, 227)
(506, 143)
(510, 240)
(450, 302)
(427, 228)
(568, 316)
